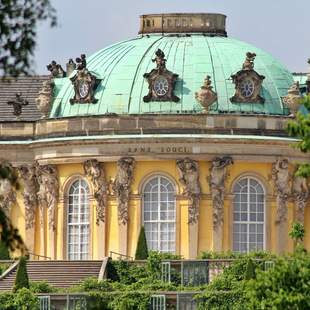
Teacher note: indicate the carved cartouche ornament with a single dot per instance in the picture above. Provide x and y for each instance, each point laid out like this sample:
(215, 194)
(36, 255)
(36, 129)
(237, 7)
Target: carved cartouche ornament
(95, 172)
(84, 83)
(18, 103)
(121, 186)
(189, 172)
(248, 83)
(206, 96)
(56, 70)
(300, 195)
(218, 175)
(161, 81)
(47, 176)
(28, 174)
(293, 98)
(281, 178)
(44, 99)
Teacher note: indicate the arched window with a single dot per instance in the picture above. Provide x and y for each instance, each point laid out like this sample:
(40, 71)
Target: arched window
(249, 216)
(78, 221)
(159, 214)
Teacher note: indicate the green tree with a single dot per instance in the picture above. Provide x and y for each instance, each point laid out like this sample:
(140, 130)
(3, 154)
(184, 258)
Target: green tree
(300, 128)
(21, 280)
(142, 251)
(19, 21)
(285, 286)
(4, 251)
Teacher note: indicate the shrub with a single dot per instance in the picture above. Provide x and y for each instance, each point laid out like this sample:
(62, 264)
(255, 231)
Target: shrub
(250, 270)
(4, 251)
(153, 265)
(23, 299)
(297, 232)
(285, 286)
(41, 287)
(21, 280)
(141, 251)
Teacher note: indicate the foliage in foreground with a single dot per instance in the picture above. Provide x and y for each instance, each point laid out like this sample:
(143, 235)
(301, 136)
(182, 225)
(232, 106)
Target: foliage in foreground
(142, 250)
(23, 299)
(19, 21)
(286, 285)
(4, 251)
(300, 128)
(21, 280)
(245, 285)
(9, 236)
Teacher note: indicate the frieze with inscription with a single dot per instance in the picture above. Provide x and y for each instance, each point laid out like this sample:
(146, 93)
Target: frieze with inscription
(161, 149)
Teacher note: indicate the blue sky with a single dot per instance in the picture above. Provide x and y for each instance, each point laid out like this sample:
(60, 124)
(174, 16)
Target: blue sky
(280, 27)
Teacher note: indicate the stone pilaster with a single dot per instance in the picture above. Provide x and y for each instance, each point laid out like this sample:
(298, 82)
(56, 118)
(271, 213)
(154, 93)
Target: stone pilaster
(193, 230)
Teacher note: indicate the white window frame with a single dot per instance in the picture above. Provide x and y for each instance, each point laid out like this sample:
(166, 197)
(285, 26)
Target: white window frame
(45, 302)
(158, 221)
(79, 223)
(248, 222)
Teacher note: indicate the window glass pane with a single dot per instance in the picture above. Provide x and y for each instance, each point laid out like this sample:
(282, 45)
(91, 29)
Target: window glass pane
(78, 220)
(159, 214)
(248, 209)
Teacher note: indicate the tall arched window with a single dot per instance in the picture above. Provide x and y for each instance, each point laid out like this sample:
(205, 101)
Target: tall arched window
(159, 214)
(78, 221)
(249, 216)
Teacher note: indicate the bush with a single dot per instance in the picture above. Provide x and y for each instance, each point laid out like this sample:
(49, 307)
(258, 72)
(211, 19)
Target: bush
(285, 286)
(235, 255)
(41, 287)
(250, 270)
(4, 251)
(23, 299)
(21, 280)
(141, 251)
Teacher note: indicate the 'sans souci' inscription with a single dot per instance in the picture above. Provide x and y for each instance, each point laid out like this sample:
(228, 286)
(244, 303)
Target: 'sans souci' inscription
(160, 149)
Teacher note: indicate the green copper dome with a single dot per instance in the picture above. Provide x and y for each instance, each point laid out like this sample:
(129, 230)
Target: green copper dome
(120, 69)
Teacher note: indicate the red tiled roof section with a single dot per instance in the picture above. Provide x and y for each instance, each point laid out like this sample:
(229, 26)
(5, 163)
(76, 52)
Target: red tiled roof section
(29, 86)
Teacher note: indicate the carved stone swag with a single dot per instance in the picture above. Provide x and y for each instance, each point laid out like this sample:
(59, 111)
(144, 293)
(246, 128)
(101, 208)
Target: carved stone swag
(47, 176)
(217, 178)
(282, 184)
(28, 174)
(300, 196)
(94, 170)
(189, 173)
(121, 186)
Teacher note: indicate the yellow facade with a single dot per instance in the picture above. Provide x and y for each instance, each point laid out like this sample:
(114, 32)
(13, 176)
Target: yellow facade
(143, 170)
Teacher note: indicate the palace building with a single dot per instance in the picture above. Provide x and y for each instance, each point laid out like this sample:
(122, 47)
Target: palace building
(180, 130)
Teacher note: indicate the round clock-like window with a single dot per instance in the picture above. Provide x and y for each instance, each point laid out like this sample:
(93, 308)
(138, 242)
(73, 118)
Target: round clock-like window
(161, 86)
(247, 88)
(83, 90)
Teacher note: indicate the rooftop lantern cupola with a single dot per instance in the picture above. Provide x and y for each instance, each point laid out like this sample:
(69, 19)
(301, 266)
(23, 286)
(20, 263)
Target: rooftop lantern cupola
(209, 24)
